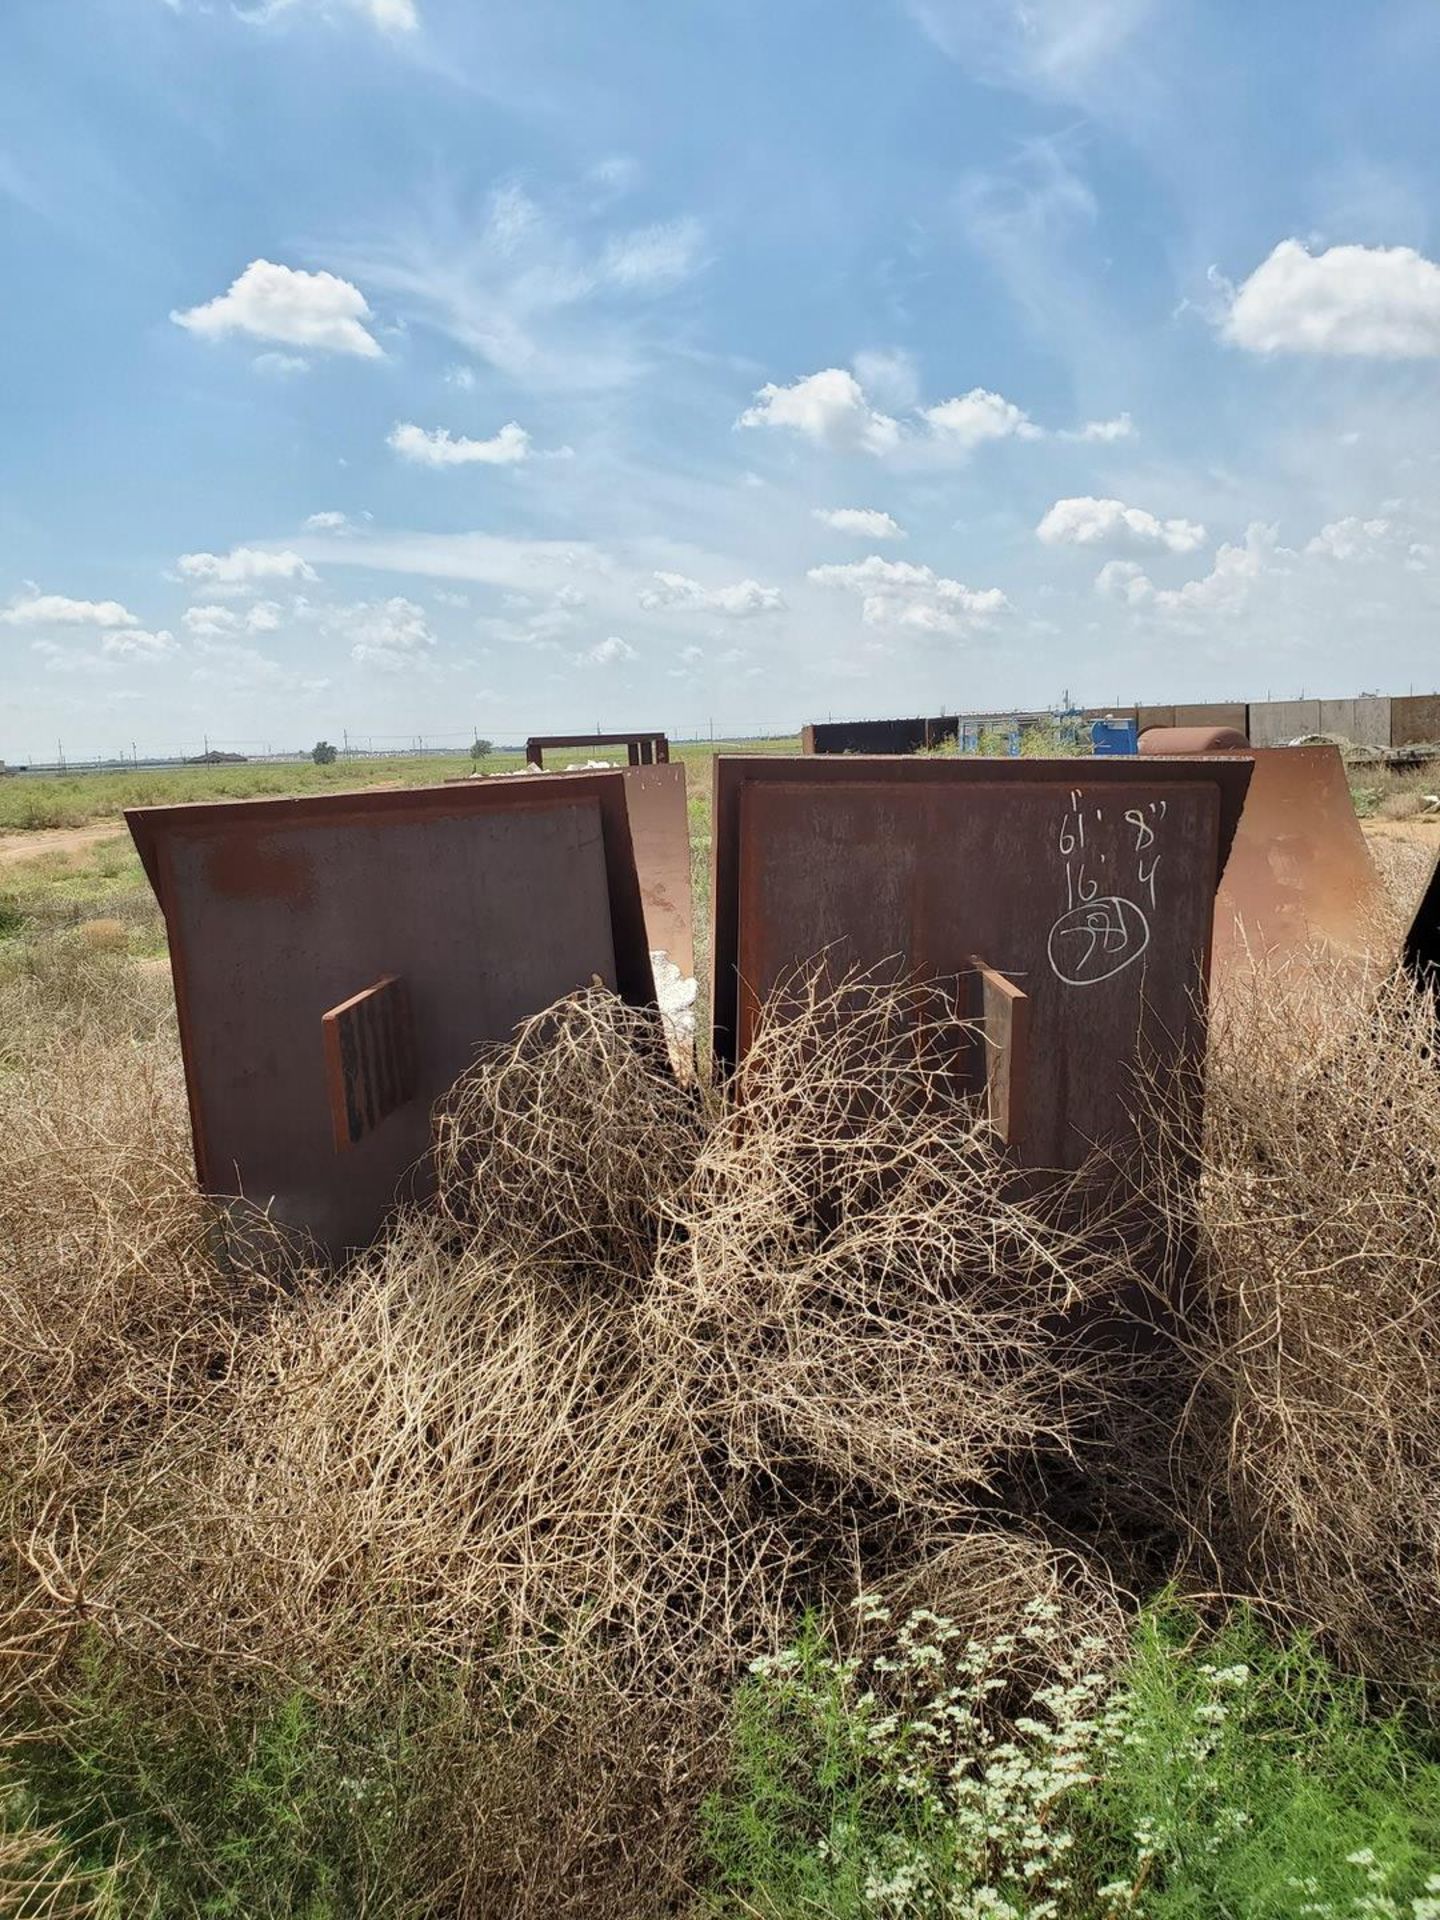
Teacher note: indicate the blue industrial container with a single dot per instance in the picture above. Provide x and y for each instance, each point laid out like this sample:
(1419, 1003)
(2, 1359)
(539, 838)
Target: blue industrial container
(1109, 737)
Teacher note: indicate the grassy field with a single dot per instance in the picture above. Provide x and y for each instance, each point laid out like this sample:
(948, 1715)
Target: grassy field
(696, 1514)
(73, 800)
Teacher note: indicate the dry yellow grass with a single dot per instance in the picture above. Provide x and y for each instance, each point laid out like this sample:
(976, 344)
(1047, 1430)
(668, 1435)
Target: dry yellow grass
(657, 1371)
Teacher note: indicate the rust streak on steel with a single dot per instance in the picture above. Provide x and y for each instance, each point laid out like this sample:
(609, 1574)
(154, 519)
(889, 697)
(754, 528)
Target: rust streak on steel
(1193, 740)
(642, 749)
(1004, 1024)
(655, 797)
(370, 1063)
(489, 900)
(1300, 881)
(1089, 884)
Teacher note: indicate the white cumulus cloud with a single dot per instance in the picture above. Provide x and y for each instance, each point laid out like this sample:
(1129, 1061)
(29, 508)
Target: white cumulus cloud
(438, 447)
(243, 565)
(741, 601)
(299, 309)
(834, 409)
(328, 522)
(608, 653)
(57, 610)
(1225, 589)
(1125, 580)
(1087, 522)
(970, 419)
(1350, 539)
(867, 523)
(894, 593)
(829, 408)
(391, 634)
(134, 643)
(215, 623)
(1377, 301)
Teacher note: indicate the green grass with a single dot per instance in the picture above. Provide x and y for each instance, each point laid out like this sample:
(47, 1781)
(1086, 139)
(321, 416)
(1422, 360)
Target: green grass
(1209, 1775)
(283, 1808)
(53, 893)
(72, 800)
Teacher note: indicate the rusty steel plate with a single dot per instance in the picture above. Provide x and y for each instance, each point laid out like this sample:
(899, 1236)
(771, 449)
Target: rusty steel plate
(1193, 740)
(1300, 880)
(641, 749)
(369, 1058)
(1087, 885)
(1421, 954)
(488, 901)
(1102, 921)
(660, 829)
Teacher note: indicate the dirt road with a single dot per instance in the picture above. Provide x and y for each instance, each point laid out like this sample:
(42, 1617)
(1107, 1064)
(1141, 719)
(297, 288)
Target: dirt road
(18, 847)
(1424, 830)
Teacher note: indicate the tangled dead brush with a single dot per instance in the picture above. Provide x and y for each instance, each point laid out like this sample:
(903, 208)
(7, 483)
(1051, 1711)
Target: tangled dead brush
(1309, 1461)
(653, 1372)
(650, 1375)
(116, 1323)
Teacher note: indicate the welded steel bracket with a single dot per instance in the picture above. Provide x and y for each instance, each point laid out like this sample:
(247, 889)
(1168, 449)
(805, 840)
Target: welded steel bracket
(370, 1067)
(1004, 1022)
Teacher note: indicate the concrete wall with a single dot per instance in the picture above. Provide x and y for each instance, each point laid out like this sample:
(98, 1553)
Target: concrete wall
(1214, 713)
(1374, 721)
(1414, 719)
(1364, 723)
(1275, 722)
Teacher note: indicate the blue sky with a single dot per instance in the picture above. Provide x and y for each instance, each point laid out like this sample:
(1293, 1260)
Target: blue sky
(403, 366)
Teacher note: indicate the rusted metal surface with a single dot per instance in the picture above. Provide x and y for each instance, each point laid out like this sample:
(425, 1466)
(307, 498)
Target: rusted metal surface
(369, 1044)
(489, 901)
(1300, 880)
(1088, 885)
(878, 736)
(656, 799)
(1422, 943)
(1004, 1027)
(660, 829)
(642, 749)
(1193, 740)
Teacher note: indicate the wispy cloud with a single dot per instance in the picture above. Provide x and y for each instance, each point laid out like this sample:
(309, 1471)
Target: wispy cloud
(552, 299)
(390, 16)
(1062, 48)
